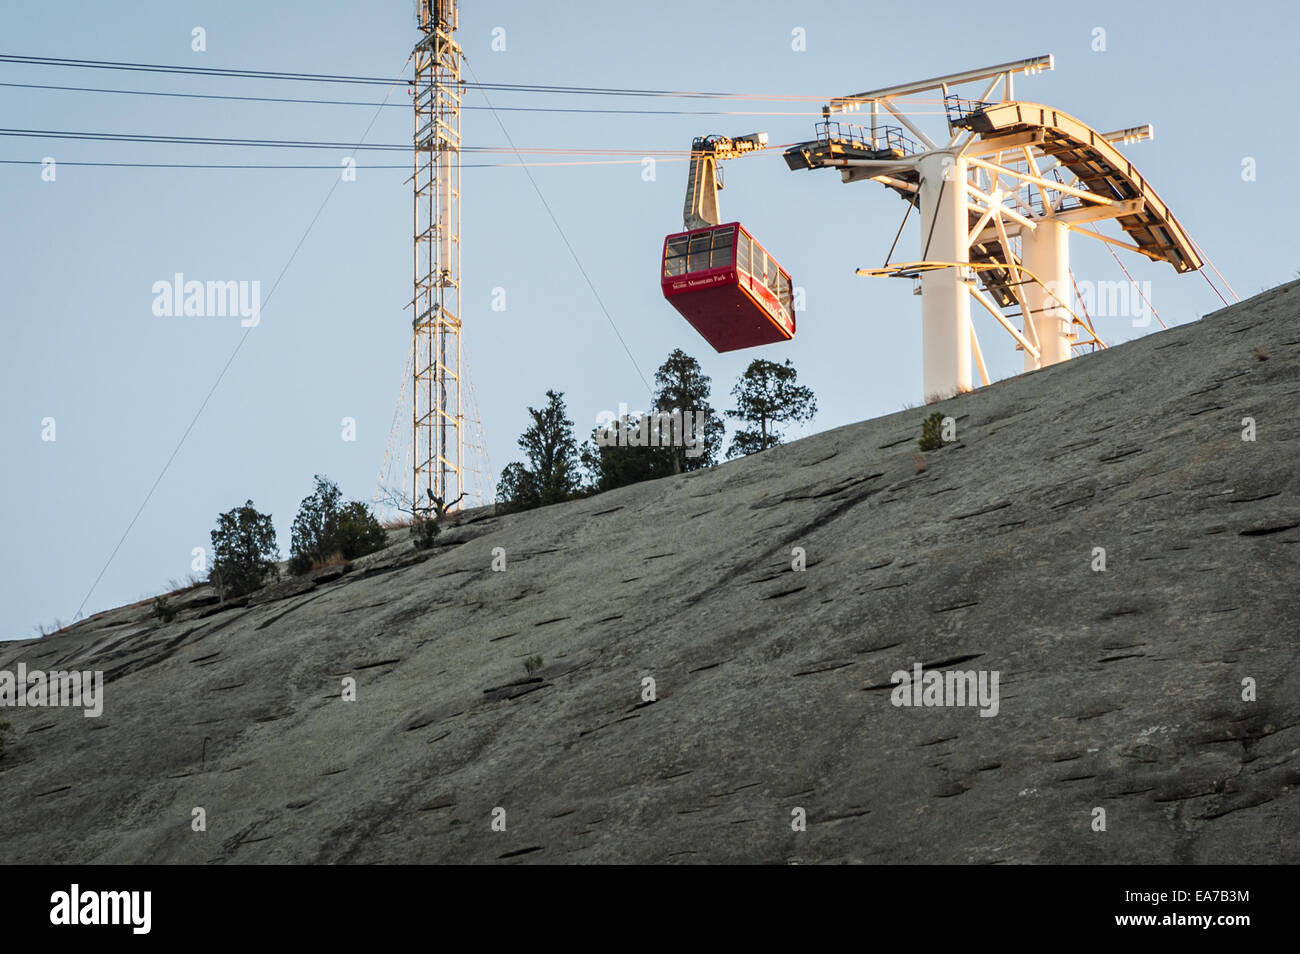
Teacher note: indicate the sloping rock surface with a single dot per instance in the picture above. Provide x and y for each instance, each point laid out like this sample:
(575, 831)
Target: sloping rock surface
(1120, 689)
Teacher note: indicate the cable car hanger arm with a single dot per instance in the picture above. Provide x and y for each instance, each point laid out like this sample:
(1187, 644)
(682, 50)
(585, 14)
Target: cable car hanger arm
(704, 179)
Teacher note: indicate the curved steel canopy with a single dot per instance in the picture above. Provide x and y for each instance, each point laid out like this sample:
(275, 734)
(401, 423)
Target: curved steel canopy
(1100, 168)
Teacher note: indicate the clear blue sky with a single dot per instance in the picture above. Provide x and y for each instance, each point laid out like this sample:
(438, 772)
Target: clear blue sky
(79, 256)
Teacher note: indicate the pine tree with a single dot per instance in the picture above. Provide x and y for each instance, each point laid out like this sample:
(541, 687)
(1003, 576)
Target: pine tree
(315, 525)
(517, 489)
(244, 552)
(324, 528)
(611, 464)
(683, 386)
(767, 394)
(551, 473)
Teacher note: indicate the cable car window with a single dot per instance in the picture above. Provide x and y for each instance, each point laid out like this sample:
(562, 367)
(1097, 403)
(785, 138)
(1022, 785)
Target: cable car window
(721, 254)
(783, 291)
(675, 256)
(698, 260)
(742, 251)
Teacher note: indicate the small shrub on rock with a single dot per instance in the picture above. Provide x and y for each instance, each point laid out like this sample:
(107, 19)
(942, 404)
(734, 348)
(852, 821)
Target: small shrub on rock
(424, 532)
(164, 610)
(932, 432)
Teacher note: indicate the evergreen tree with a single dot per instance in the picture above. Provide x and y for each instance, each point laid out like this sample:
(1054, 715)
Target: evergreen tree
(517, 489)
(551, 473)
(611, 463)
(323, 528)
(360, 532)
(244, 552)
(315, 525)
(767, 394)
(683, 386)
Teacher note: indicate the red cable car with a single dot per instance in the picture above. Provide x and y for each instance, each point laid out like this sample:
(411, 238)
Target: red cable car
(721, 280)
(727, 286)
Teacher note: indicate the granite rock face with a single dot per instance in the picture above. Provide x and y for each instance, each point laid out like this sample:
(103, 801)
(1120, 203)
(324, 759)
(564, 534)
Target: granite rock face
(1119, 689)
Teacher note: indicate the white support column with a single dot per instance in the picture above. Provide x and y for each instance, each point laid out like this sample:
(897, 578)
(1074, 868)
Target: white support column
(945, 301)
(1046, 252)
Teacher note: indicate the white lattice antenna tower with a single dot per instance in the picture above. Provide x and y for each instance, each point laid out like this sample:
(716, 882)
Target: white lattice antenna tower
(437, 438)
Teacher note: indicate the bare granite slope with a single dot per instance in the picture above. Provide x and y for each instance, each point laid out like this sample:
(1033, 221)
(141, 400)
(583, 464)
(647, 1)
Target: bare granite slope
(1119, 690)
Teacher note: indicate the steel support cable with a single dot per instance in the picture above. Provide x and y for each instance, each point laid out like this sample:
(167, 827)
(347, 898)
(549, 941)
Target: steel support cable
(1201, 252)
(1214, 288)
(943, 184)
(211, 165)
(1136, 287)
(354, 102)
(900, 234)
(297, 76)
(1132, 281)
(1084, 308)
(391, 443)
(168, 139)
(380, 80)
(220, 376)
(567, 244)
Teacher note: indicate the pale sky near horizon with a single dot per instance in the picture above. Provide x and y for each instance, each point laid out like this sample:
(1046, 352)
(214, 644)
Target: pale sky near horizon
(79, 256)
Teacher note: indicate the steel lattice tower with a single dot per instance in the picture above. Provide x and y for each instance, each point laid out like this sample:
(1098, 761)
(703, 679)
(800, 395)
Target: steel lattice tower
(437, 438)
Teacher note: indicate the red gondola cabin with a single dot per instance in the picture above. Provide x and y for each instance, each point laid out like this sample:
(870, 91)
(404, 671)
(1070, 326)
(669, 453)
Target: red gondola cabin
(728, 287)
